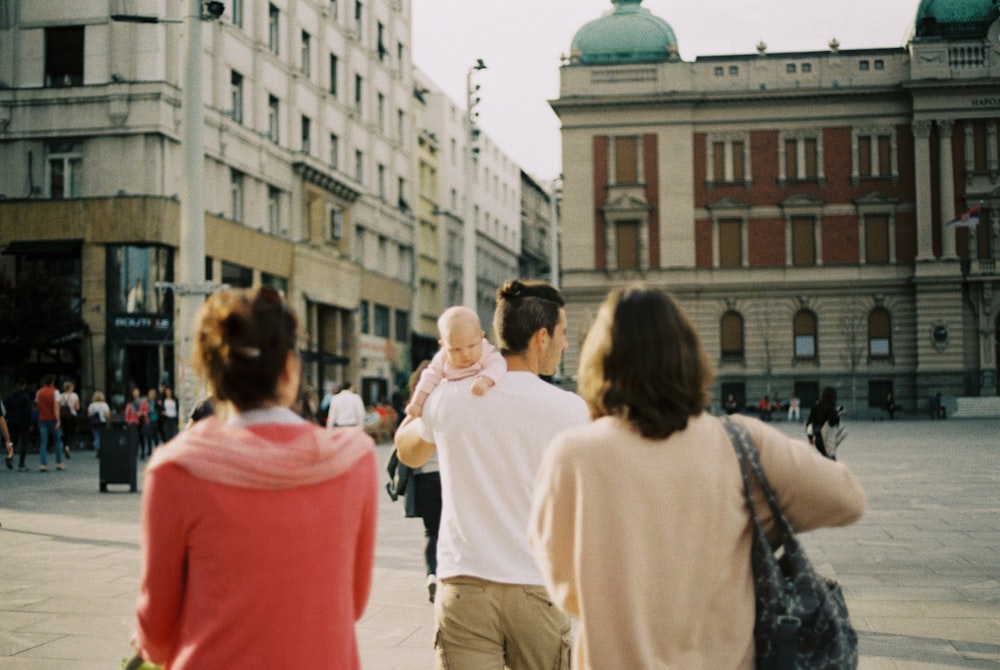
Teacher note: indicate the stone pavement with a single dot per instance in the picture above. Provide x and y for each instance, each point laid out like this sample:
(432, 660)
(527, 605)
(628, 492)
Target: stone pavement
(921, 570)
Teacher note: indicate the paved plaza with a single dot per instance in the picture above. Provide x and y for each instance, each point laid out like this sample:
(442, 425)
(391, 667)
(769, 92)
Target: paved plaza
(921, 570)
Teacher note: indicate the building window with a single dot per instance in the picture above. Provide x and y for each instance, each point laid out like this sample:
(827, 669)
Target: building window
(401, 191)
(803, 241)
(879, 333)
(236, 95)
(730, 243)
(358, 93)
(879, 64)
(237, 276)
(273, 20)
(402, 326)
(790, 68)
(65, 169)
(734, 70)
(273, 210)
(863, 65)
(807, 67)
(334, 64)
(273, 112)
(380, 181)
(727, 160)
(334, 151)
(800, 159)
(359, 166)
(627, 244)
(401, 126)
(279, 284)
(731, 336)
(236, 12)
(626, 160)
(133, 272)
(719, 71)
(64, 56)
(306, 135)
(333, 8)
(305, 60)
(400, 55)
(874, 154)
(236, 195)
(380, 112)
(804, 327)
(336, 224)
(363, 316)
(380, 41)
(358, 14)
(876, 238)
(381, 319)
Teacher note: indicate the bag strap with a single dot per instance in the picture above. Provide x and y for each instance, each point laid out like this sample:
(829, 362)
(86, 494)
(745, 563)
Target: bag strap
(750, 463)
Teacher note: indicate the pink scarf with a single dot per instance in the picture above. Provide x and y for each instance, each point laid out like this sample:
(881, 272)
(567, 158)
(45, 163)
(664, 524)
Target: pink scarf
(266, 456)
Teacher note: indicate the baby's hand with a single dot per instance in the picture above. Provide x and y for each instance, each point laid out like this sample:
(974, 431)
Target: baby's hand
(413, 409)
(481, 385)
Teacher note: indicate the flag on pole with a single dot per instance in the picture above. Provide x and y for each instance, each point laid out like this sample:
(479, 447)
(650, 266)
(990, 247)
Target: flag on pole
(968, 219)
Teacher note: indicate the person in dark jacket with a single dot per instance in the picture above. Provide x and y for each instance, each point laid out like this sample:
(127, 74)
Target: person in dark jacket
(825, 411)
(19, 420)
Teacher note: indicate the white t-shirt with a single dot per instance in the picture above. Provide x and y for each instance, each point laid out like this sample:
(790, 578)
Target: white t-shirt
(346, 409)
(489, 448)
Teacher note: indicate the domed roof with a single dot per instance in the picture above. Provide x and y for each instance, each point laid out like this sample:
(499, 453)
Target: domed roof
(955, 18)
(627, 34)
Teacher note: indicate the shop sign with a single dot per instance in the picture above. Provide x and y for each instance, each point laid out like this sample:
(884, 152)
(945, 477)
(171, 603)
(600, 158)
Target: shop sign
(144, 327)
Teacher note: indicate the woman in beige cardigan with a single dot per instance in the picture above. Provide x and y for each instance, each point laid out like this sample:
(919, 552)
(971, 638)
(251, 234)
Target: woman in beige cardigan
(639, 522)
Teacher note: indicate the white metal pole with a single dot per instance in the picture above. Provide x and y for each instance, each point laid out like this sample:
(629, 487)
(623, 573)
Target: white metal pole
(191, 265)
(469, 297)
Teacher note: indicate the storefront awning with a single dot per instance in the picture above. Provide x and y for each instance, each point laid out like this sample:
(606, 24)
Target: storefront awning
(43, 247)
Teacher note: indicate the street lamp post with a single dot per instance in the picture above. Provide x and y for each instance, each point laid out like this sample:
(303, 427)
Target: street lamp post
(191, 266)
(469, 272)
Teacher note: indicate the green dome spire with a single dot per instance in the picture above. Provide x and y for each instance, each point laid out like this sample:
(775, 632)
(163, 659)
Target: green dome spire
(627, 34)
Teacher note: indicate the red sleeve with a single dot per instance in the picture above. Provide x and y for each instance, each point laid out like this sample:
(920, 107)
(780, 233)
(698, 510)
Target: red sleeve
(364, 559)
(164, 558)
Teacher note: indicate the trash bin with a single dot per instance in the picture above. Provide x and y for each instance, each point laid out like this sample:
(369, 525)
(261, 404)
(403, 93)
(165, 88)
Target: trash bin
(119, 452)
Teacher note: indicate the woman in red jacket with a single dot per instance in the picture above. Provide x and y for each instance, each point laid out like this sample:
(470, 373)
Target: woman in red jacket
(258, 530)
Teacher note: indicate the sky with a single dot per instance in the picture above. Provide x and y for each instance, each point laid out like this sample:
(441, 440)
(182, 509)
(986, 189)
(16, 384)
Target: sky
(521, 42)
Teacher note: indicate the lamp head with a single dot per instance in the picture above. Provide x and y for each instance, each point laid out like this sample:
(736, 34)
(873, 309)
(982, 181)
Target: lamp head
(480, 65)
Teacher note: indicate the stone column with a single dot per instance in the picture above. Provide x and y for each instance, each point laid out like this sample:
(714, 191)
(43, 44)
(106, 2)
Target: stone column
(922, 177)
(946, 188)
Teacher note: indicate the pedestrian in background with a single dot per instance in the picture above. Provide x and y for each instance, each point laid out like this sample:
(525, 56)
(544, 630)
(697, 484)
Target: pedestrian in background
(170, 415)
(69, 409)
(47, 400)
(639, 521)
(19, 420)
(346, 410)
(150, 430)
(258, 530)
(137, 416)
(825, 412)
(98, 414)
(5, 435)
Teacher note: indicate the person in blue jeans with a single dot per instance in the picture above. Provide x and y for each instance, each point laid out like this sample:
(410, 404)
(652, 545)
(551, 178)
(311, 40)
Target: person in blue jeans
(47, 399)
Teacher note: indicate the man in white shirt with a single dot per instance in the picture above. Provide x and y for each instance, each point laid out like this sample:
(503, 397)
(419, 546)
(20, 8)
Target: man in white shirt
(346, 409)
(491, 606)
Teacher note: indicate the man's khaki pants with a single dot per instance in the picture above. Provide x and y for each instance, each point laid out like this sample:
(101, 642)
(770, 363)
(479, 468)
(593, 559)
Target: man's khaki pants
(485, 625)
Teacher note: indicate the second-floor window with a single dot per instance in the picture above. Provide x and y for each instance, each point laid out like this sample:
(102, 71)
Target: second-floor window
(800, 158)
(334, 151)
(236, 194)
(306, 135)
(236, 95)
(728, 161)
(334, 64)
(273, 34)
(273, 119)
(804, 332)
(64, 55)
(305, 56)
(731, 336)
(65, 169)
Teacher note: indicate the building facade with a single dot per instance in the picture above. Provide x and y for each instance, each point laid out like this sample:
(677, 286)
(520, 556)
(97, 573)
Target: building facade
(797, 204)
(307, 178)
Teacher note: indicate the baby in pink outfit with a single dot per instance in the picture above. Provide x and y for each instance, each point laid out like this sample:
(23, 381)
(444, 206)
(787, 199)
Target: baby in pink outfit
(464, 353)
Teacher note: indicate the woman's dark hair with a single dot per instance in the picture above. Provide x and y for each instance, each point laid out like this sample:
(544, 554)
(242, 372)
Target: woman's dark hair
(523, 307)
(642, 361)
(829, 394)
(243, 340)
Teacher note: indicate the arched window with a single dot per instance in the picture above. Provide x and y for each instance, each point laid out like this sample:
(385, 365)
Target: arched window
(731, 336)
(879, 333)
(805, 334)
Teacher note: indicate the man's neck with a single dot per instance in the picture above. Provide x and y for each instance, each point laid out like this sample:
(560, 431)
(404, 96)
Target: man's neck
(521, 363)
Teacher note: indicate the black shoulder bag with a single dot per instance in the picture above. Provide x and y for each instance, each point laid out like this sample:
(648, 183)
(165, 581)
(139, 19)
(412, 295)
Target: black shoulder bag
(801, 618)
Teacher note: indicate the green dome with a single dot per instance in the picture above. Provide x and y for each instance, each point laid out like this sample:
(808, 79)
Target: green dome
(627, 34)
(955, 18)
